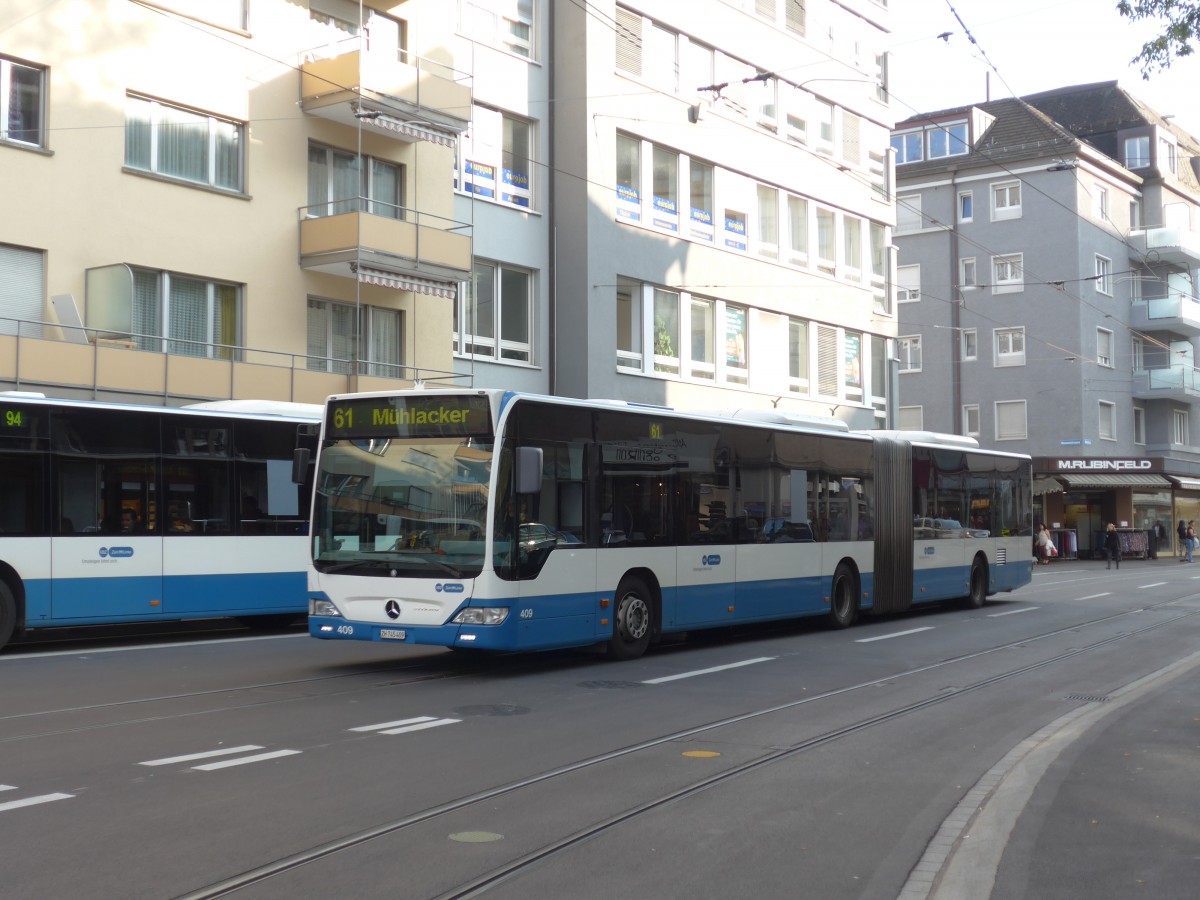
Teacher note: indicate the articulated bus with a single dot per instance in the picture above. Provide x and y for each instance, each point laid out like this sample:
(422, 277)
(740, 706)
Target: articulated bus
(111, 513)
(503, 521)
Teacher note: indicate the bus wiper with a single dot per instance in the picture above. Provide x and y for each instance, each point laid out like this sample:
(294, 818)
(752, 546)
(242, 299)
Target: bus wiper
(365, 563)
(444, 566)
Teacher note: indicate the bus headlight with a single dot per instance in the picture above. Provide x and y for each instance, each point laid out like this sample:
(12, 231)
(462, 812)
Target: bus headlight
(322, 608)
(481, 615)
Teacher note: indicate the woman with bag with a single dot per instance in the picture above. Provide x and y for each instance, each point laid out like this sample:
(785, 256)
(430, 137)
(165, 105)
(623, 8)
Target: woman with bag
(1044, 547)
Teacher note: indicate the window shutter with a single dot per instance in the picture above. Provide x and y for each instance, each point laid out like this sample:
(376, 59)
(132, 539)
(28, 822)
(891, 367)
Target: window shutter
(851, 145)
(21, 290)
(795, 16)
(765, 8)
(827, 361)
(629, 42)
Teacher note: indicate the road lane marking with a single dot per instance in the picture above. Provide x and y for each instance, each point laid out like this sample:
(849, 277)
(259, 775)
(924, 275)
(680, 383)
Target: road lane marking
(7, 787)
(1142, 587)
(92, 651)
(33, 801)
(1013, 612)
(894, 634)
(693, 674)
(207, 754)
(259, 757)
(1094, 596)
(395, 724)
(421, 726)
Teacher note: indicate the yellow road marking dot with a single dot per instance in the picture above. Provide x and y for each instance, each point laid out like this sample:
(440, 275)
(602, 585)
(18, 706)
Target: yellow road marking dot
(476, 837)
(701, 754)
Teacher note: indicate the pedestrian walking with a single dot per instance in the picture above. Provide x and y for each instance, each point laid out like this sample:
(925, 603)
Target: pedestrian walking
(1112, 546)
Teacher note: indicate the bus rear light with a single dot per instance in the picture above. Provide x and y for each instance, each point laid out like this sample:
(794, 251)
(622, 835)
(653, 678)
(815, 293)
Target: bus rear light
(323, 608)
(481, 615)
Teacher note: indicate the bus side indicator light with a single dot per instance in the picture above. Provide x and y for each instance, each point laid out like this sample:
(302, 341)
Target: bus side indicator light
(604, 601)
(731, 609)
(604, 621)
(156, 603)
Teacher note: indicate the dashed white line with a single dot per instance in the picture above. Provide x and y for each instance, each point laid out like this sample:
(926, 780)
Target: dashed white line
(1094, 596)
(396, 724)
(33, 801)
(736, 665)
(241, 761)
(421, 726)
(404, 726)
(1142, 587)
(7, 787)
(1013, 612)
(894, 634)
(207, 754)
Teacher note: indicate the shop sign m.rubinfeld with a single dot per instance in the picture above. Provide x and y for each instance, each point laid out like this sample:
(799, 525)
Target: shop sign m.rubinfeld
(1103, 465)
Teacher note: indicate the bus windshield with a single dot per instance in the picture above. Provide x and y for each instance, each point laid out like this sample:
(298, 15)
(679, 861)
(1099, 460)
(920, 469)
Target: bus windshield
(390, 506)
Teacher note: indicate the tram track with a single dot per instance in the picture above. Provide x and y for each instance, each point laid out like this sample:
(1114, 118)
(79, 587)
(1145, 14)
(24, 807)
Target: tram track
(482, 883)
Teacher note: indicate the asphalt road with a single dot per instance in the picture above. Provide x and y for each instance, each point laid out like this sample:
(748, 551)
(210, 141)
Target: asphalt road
(1043, 746)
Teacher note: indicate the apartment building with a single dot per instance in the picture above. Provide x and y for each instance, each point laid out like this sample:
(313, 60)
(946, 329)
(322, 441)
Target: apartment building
(1047, 297)
(684, 204)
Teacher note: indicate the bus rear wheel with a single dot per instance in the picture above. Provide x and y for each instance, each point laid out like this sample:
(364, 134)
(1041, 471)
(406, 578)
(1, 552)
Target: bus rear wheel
(634, 623)
(978, 585)
(843, 598)
(8, 614)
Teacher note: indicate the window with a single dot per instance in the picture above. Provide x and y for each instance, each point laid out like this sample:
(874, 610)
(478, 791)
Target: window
(798, 355)
(853, 355)
(1006, 200)
(878, 239)
(852, 247)
(735, 229)
(1139, 425)
(1104, 347)
(966, 206)
(1100, 203)
(1010, 420)
(1180, 432)
(768, 222)
(182, 144)
(881, 72)
(826, 251)
(947, 140)
(1009, 346)
(969, 344)
(703, 362)
(22, 103)
(21, 290)
(908, 349)
(908, 213)
(334, 185)
(660, 60)
(824, 120)
(1137, 351)
(666, 189)
(495, 158)
(1108, 420)
(910, 418)
(736, 345)
(1008, 276)
(186, 316)
(629, 42)
(331, 344)
(666, 331)
(1137, 152)
(506, 24)
(797, 230)
(1166, 156)
(970, 420)
(700, 189)
(966, 272)
(384, 37)
(1103, 275)
(908, 280)
(629, 178)
(1135, 214)
(495, 315)
(629, 324)
(909, 146)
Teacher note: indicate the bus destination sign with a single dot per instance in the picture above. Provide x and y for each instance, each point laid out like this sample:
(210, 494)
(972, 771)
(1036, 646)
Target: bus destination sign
(436, 416)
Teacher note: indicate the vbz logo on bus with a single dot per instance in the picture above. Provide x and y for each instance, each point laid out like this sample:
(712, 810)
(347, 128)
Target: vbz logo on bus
(710, 560)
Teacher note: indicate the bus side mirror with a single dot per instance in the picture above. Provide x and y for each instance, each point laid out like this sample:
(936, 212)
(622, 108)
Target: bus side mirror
(301, 457)
(528, 470)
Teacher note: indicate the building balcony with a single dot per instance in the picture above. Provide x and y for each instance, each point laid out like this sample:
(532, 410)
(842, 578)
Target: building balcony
(1178, 246)
(406, 97)
(1177, 313)
(406, 249)
(1178, 382)
(65, 360)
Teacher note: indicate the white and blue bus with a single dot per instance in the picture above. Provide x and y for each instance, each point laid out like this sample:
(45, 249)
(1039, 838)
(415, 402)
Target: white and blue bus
(504, 521)
(113, 513)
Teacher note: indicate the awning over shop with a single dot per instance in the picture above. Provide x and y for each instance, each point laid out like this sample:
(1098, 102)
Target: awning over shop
(1043, 484)
(399, 282)
(1103, 482)
(412, 130)
(1186, 484)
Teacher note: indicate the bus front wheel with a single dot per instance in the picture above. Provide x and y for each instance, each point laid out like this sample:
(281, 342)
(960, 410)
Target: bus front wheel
(843, 598)
(978, 585)
(8, 614)
(634, 616)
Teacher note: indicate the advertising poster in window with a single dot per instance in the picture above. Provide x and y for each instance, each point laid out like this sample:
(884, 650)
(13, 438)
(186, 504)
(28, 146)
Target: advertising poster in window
(480, 179)
(666, 214)
(735, 337)
(629, 203)
(854, 360)
(518, 185)
(702, 224)
(735, 230)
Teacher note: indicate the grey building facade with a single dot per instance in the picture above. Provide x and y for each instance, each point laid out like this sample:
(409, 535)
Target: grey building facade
(1047, 294)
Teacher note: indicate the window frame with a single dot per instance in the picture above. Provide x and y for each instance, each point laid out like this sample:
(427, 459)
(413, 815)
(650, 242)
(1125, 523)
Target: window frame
(154, 125)
(1104, 273)
(1105, 335)
(1023, 405)
(1138, 160)
(1107, 420)
(1181, 428)
(1008, 285)
(966, 206)
(1139, 425)
(7, 66)
(969, 411)
(908, 354)
(1010, 358)
(1006, 210)
(165, 340)
(905, 292)
(504, 13)
(504, 348)
(487, 170)
(968, 344)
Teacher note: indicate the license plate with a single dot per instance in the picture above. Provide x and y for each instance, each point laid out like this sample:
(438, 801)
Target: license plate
(392, 634)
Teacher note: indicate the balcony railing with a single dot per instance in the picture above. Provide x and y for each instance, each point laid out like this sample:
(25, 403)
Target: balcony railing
(1168, 245)
(1177, 312)
(1177, 382)
(48, 356)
